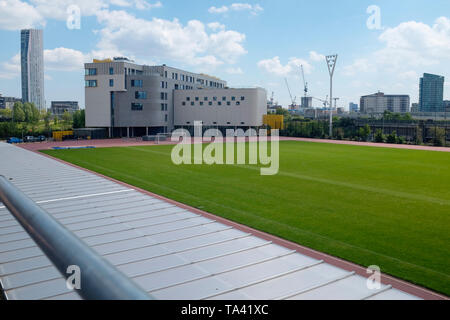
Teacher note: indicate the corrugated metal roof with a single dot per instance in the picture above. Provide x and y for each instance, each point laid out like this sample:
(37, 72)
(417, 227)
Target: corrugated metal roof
(170, 252)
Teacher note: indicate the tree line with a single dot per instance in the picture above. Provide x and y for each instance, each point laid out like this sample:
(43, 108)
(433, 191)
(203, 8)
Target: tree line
(25, 119)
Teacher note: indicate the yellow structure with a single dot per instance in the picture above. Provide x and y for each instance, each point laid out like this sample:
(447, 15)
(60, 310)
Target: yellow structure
(274, 121)
(102, 61)
(59, 135)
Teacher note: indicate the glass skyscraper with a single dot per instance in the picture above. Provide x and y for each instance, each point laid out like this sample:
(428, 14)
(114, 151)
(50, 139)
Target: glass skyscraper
(32, 67)
(431, 93)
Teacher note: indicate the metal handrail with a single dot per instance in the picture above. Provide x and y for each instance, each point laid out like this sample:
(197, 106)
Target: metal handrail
(99, 280)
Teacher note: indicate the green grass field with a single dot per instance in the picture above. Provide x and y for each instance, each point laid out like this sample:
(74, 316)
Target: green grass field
(371, 206)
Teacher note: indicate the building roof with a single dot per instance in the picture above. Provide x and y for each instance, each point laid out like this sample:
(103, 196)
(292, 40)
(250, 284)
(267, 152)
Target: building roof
(171, 252)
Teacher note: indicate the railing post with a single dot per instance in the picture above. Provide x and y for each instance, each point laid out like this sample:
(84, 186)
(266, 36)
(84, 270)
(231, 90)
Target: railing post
(99, 279)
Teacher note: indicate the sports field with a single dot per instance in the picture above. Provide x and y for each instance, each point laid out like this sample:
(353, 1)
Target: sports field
(372, 206)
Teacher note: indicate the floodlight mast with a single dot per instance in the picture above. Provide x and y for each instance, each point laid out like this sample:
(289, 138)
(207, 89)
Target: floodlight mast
(331, 63)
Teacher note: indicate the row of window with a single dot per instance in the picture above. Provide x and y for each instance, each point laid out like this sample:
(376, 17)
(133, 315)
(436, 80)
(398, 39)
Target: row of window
(214, 98)
(91, 83)
(93, 71)
(228, 123)
(140, 106)
(191, 79)
(210, 103)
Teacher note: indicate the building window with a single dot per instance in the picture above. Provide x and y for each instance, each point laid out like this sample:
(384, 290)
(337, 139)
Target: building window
(91, 72)
(137, 83)
(210, 103)
(176, 87)
(219, 103)
(205, 98)
(228, 103)
(215, 98)
(233, 98)
(196, 98)
(201, 103)
(137, 106)
(165, 96)
(183, 103)
(111, 70)
(162, 106)
(166, 118)
(140, 95)
(192, 103)
(242, 98)
(238, 103)
(111, 82)
(91, 83)
(224, 98)
(188, 98)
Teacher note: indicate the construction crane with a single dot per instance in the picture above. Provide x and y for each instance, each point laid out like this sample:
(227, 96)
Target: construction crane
(335, 102)
(304, 82)
(325, 102)
(290, 94)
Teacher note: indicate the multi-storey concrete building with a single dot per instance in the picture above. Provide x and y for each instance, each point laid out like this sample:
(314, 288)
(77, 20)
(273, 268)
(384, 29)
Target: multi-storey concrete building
(135, 100)
(32, 67)
(352, 107)
(59, 107)
(431, 97)
(221, 108)
(8, 102)
(379, 102)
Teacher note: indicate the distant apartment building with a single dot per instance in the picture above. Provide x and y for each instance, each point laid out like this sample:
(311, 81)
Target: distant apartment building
(415, 108)
(32, 67)
(134, 100)
(378, 103)
(446, 105)
(431, 97)
(8, 102)
(352, 107)
(59, 107)
(306, 102)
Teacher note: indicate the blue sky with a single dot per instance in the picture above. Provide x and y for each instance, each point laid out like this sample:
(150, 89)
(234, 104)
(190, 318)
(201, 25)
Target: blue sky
(246, 43)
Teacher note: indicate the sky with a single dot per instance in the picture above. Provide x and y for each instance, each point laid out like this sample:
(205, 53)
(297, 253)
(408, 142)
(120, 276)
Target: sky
(381, 45)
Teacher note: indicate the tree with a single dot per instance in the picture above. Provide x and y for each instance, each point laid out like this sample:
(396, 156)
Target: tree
(392, 138)
(418, 138)
(364, 132)
(28, 111)
(18, 113)
(47, 117)
(6, 113)
(439, 137)
(67, 119)
(35, 114)
(379, 136)
(79, 119)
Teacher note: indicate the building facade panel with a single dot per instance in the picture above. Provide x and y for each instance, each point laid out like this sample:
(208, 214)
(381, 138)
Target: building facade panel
(221, 107)
(32, 67)
(379, 102)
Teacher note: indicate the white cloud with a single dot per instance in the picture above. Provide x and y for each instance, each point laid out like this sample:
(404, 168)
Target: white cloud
(214, 26)
(58, 59)
(235, 71)
(64, 59)
(274, 66)
(125, 34)
(11, 68)
(222, 9)
(316, 57)
(253, 9)
(16, 15)
(357, 67)
(415, 43)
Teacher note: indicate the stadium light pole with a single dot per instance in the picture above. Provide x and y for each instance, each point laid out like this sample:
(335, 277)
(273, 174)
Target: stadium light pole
(331, 63)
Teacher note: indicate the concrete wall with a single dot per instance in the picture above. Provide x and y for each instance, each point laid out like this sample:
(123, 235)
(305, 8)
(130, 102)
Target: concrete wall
(249, 113)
